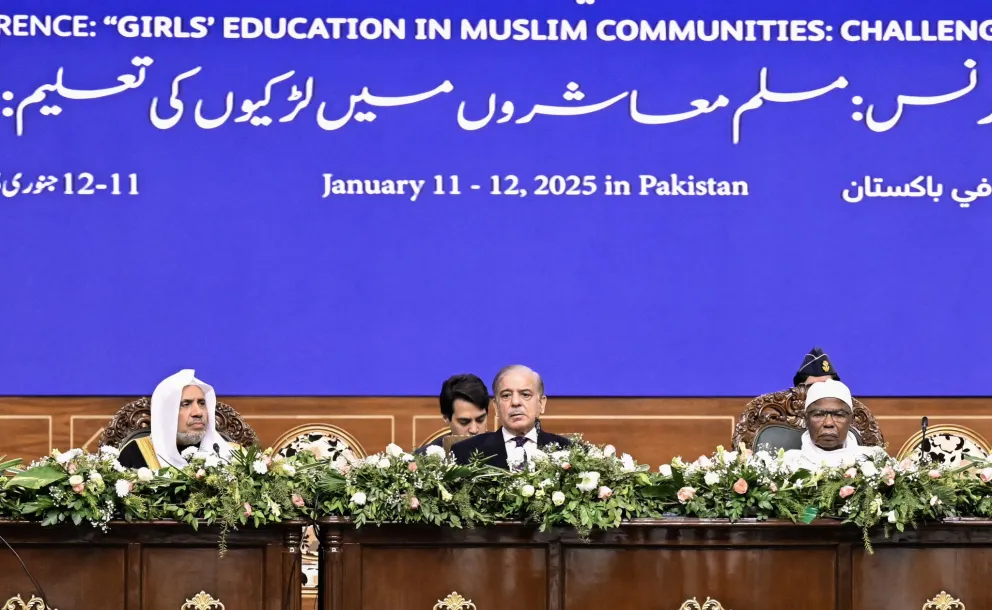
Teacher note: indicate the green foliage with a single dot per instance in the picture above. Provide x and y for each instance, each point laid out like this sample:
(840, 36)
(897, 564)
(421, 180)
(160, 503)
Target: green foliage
(583, 486)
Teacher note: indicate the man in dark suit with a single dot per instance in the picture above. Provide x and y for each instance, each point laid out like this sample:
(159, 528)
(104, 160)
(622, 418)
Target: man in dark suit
(520, 400)
(464, 402)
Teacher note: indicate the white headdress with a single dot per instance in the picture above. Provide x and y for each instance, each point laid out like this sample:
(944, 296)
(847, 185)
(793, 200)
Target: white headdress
(165, 418)
(829, 389)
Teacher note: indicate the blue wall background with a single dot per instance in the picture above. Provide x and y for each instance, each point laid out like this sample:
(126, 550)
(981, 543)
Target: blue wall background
(231, 262)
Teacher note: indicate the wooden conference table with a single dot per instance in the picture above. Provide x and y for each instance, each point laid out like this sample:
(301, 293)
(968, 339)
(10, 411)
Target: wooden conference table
(657, 565)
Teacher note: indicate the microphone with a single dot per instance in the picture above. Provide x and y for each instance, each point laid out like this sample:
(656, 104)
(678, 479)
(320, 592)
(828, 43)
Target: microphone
(924, 442)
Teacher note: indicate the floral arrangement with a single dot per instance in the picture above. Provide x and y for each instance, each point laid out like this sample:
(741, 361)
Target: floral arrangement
(583, 486)
(395, 486)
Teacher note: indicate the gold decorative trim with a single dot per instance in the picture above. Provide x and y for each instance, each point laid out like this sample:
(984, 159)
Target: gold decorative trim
(943, 601)
(148, 452)
(454, 601)
(202, 601)
(912, 445)
(16, 603)
(709, 604)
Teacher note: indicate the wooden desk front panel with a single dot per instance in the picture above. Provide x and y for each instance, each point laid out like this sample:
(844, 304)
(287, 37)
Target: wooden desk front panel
(151, 566)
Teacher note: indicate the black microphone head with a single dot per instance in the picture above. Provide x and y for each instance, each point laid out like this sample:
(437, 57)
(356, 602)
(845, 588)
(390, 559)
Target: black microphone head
(217, 448)
(925, 421)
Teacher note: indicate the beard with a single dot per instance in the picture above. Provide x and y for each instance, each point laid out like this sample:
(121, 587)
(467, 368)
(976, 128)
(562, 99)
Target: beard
(189, 438)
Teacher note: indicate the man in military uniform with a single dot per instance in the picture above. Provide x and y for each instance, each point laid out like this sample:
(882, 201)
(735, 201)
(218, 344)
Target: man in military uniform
(816, 366)
(182, 416)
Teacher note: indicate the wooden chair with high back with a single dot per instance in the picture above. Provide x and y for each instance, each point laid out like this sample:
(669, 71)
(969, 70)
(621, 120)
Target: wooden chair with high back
(134, 419)
(778, 420)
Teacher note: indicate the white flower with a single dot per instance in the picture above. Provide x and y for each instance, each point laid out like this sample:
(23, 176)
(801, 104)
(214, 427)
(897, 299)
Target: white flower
(289, 469)
(609, 450)
(628, 463)
(145, 475)
(117, 466)
(546, 483)
(260, 467)
(711, 478)
(868, 469)
(527, 491)
(108, 451)
(559, 456)
(665, 470)
(75, 479)
(594, 452)
(557, 498)
(190, 451)
(384, 463)
(536, 455)
(393, 450)
(446, 495)
(212, 461)
(730, 457)
(703, 462)
(63, 458)
(891, 516)
(514, 456)
(589, 482)
(849, 462)
(123, 487)
(934, 501)
(435, 451)
(95, 477)
(407, 457)
(359, 498)
(339, 463)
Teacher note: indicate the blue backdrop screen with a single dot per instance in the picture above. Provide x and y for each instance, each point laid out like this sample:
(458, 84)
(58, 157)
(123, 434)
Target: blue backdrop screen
(632, 197)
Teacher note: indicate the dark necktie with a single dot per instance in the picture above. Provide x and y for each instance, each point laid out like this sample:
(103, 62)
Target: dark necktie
(520, 441)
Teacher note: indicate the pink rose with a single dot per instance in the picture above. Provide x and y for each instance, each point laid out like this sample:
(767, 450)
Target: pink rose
(71, 468)
(247, 509)
(412, 466)
(414, 503)
(851, 473)
(685, 494)
(906, 464)
(267, 460)
(605, 492)
(772, 486)
(985, 475)
(740, 486)
(201, 473)
(889, 476)
(79, 488)
(934, 474)
(846, 491)
(298, 501)
(566, 466)
(344, 468)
